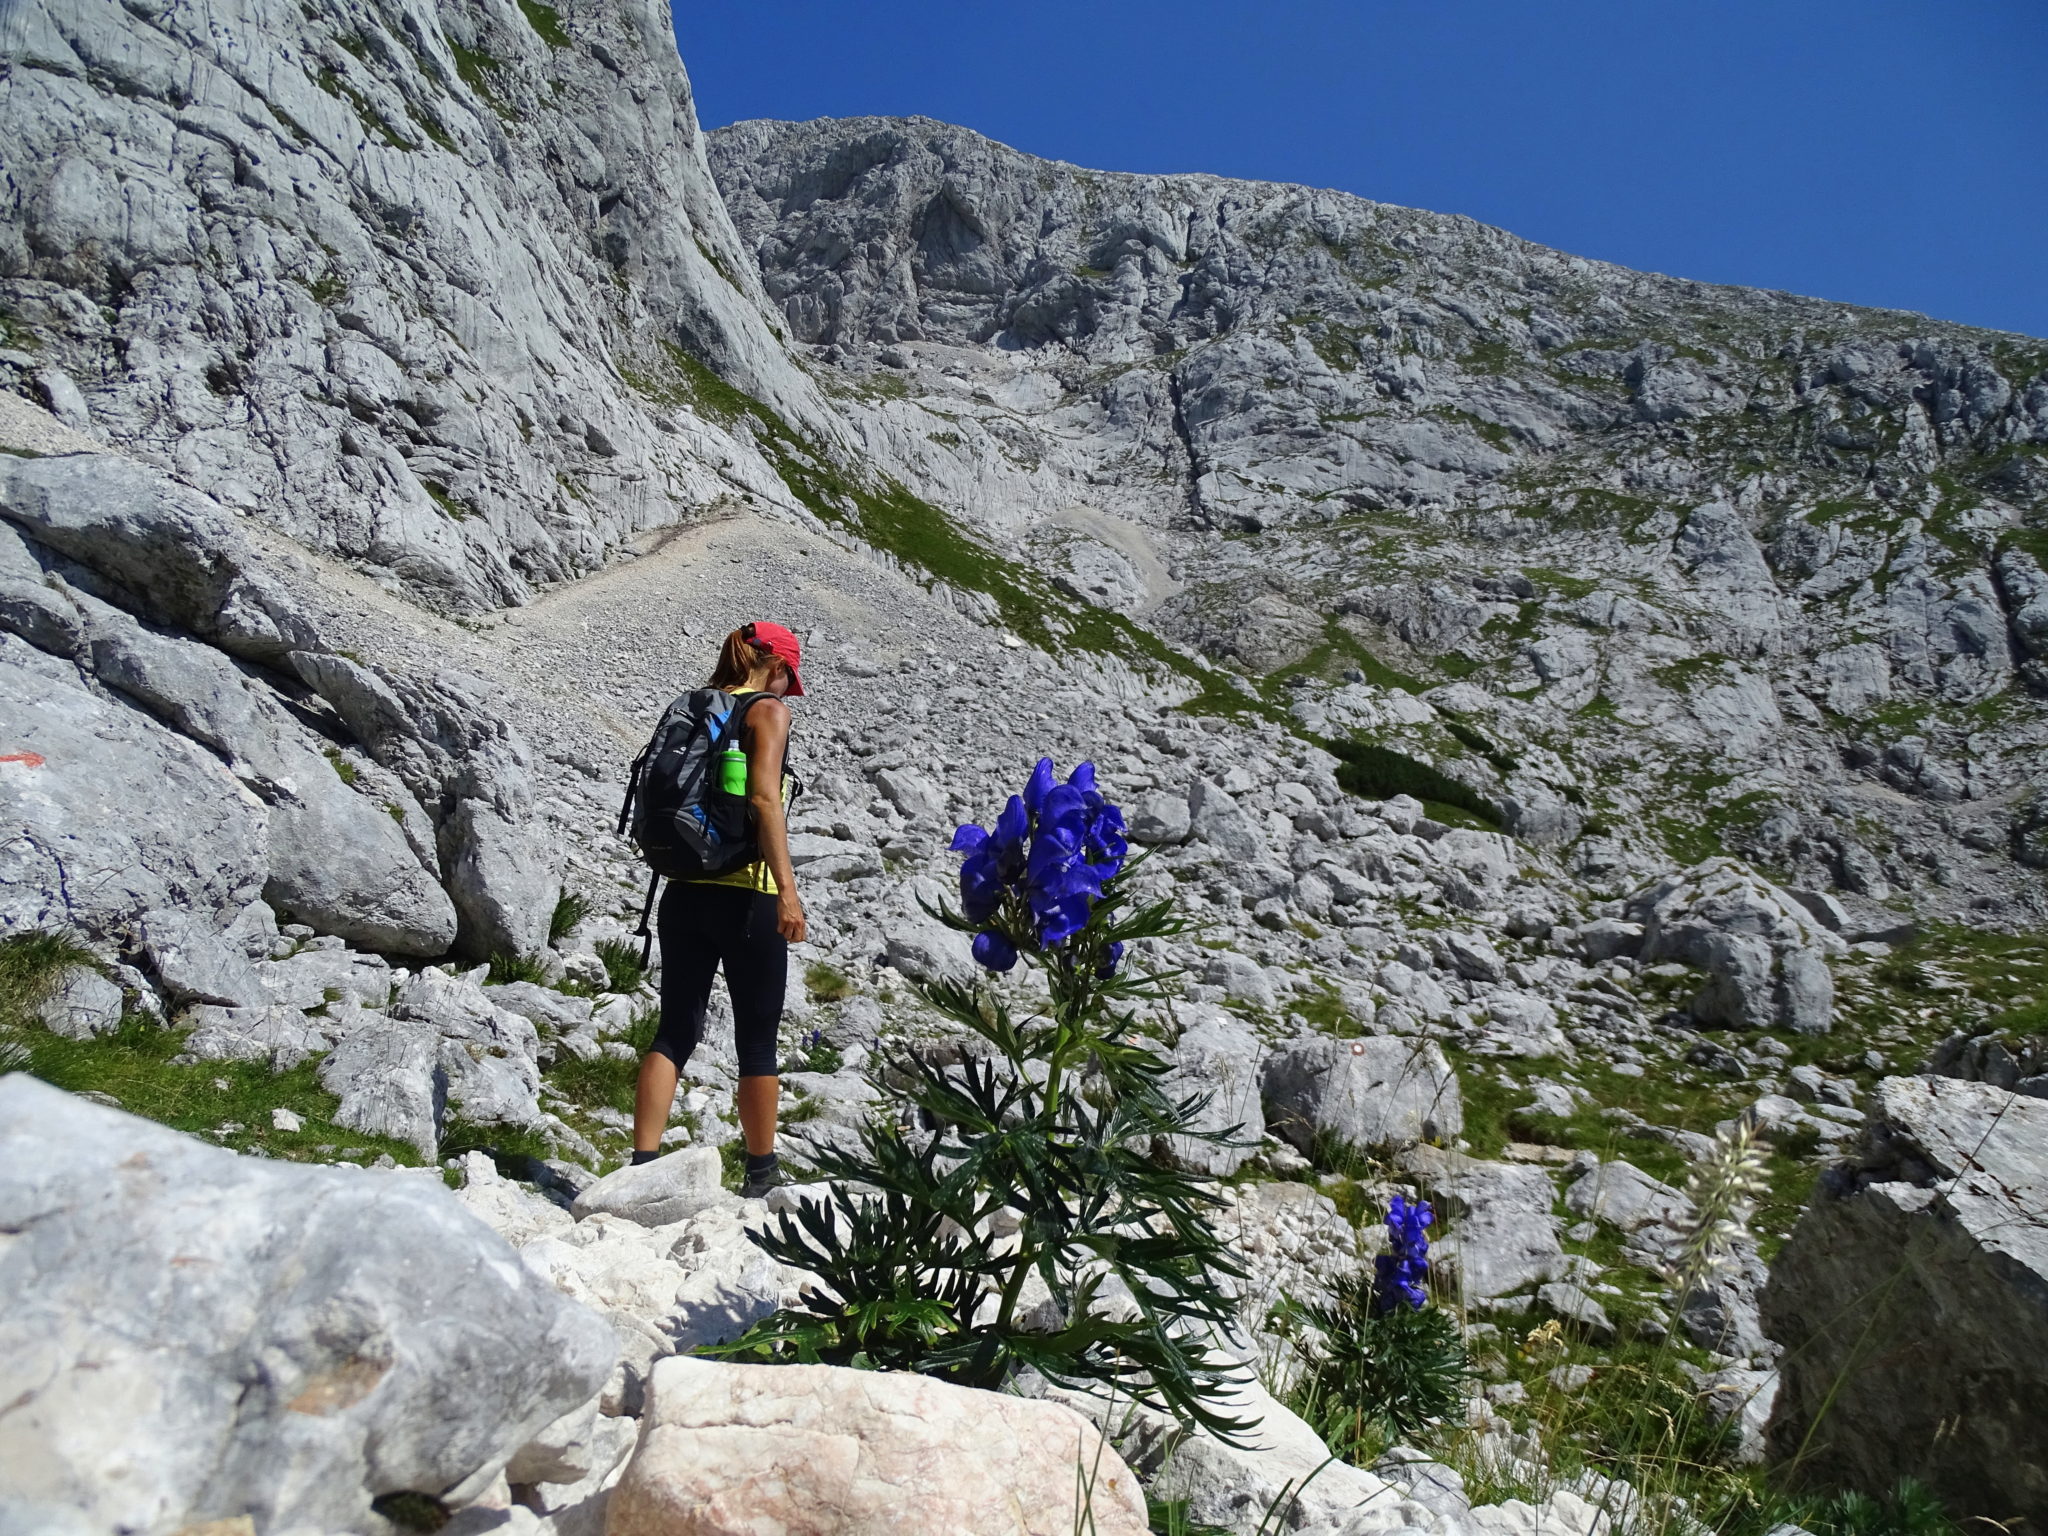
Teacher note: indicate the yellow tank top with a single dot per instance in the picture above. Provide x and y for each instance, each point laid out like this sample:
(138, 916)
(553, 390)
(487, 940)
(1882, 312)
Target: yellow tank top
(756, 876)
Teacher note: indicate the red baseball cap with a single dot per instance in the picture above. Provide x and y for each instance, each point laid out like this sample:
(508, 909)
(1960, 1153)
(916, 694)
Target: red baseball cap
(775, 638)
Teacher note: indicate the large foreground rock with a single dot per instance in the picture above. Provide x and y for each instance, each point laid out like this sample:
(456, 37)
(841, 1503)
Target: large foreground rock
(807, 1450)
(1912, 1301)
(1280, 1465)
(192, 1335)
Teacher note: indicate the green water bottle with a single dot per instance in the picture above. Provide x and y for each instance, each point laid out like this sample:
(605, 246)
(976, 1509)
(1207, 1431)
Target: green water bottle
(732, 770)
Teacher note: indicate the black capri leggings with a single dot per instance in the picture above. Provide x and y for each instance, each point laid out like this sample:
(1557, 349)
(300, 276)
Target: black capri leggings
(701, 927)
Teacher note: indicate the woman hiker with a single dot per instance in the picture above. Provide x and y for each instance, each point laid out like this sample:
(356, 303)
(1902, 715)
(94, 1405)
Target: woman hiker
(744, 920)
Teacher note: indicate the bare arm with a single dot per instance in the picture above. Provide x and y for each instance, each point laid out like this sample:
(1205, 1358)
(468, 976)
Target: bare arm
(767, 738)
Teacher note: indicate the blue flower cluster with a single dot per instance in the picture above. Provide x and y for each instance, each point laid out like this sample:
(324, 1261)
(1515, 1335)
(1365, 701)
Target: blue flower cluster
(1404, 1267)
(1052, 850)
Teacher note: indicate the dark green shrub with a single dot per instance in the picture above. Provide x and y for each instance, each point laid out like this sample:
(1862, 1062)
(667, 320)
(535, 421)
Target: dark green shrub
(1375, 1375)
(1053, 1121)
(1910, 1510)
(1380, 773)
(1500, 758)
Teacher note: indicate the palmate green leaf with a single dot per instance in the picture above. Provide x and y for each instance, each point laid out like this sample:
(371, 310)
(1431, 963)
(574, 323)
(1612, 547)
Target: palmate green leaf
(1137, 1361)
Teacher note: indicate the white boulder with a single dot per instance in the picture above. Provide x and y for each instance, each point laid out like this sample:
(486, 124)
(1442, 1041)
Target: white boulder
(815, 1450)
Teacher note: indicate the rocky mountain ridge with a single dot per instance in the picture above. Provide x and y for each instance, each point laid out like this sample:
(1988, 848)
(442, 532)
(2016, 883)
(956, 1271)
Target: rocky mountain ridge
(1710, 569)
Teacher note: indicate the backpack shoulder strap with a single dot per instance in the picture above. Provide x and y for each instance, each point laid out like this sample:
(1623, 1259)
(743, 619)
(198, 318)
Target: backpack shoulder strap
(795, 785)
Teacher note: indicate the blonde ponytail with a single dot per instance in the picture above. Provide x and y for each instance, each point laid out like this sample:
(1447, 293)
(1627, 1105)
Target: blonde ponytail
(739, 659)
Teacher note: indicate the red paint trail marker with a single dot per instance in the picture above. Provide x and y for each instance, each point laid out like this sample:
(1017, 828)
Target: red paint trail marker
(26, 759)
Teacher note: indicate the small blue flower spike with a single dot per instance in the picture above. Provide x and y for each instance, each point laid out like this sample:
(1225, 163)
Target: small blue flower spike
(1402, 1271)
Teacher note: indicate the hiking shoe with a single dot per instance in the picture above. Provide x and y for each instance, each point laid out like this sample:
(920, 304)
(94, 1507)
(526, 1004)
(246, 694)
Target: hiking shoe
(756, 1185)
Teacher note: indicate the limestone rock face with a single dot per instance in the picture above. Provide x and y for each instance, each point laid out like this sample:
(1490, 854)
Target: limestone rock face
(371, 295)
(1505, 1238)
(1619, 1192)
(81, 1003)
(1641, 509)
(2020, 1065)
(262, 1339)
(725, 1449)
(337, 859)
(1764, 956)
(189, 836)
(176, 552)
(1376, 1091)
(1912, 1301)
(174, 628)
(1217, 1055)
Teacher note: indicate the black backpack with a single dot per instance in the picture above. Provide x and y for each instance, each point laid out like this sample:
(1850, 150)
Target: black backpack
(686, 825)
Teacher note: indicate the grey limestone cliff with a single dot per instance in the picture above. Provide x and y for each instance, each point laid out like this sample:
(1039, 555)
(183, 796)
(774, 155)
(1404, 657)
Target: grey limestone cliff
(380, 274)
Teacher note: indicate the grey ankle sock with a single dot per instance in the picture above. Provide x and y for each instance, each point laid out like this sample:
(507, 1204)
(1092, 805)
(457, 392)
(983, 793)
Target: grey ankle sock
(767, 1162)
(645, 1157)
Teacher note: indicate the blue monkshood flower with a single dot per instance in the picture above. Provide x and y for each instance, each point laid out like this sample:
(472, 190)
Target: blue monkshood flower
(994, 951)
(1039, 785)
(1111, 959)
(814, 1039)
(1401, 1271)
(995, 860)
(1054, 846)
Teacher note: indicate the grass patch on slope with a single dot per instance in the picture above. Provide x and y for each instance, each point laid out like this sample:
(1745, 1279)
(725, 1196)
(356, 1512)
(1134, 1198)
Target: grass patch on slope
(884, 514)
(606, 1082)
(30, 966)
(227, 1102)
(1340, 651)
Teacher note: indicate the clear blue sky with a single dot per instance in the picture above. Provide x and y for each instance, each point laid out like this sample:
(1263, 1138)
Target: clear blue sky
(1887, 152)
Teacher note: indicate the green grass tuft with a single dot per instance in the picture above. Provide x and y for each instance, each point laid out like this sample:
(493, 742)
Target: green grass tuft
(475, 69)
(606, 1082)
(509, 968)
(827, 983)
(30, 965)
(15, 335)
(571, 908)
(622, 967)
